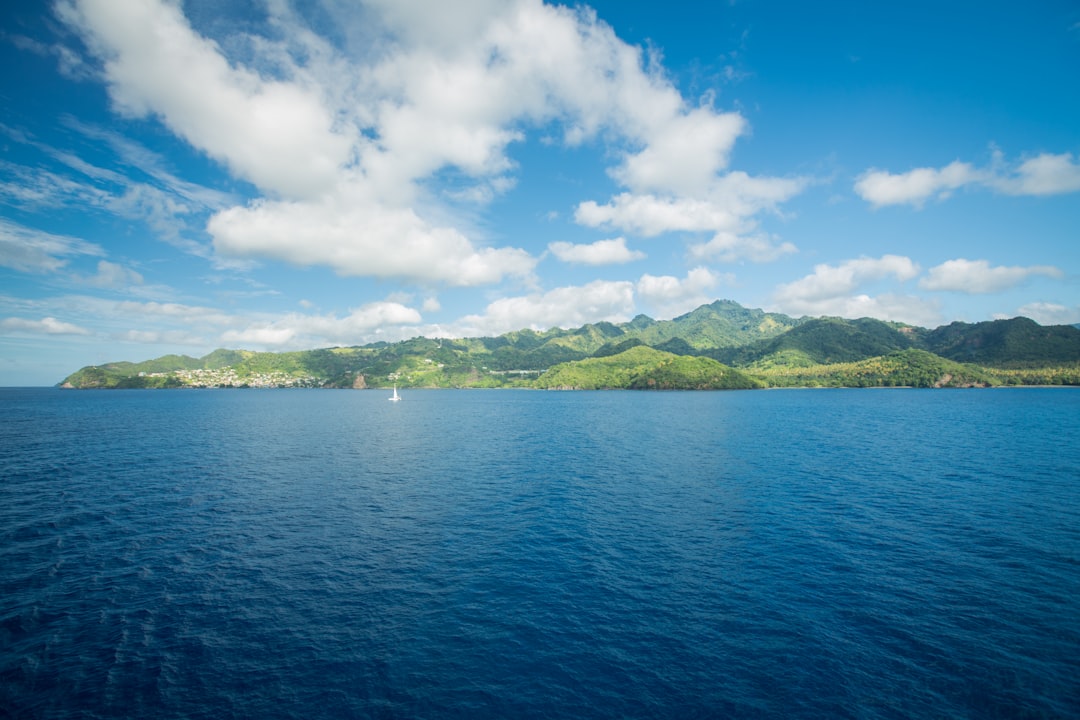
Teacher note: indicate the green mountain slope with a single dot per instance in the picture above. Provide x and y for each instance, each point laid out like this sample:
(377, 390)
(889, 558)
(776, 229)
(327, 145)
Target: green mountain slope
(1014, 343)
(775, 348)
(902, 368)
(643, 368)
(824, 341)
(721, 324)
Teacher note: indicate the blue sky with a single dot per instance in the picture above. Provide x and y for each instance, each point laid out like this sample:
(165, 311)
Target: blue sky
(276, 175)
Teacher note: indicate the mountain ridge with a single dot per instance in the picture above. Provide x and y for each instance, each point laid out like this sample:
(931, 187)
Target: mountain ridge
(752, 342)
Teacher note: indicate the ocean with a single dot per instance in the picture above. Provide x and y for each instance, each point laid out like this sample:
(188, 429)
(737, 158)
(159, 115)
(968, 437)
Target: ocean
(531, 554)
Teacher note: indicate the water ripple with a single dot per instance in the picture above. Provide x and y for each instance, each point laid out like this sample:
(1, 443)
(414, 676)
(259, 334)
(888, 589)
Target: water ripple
(833, 554)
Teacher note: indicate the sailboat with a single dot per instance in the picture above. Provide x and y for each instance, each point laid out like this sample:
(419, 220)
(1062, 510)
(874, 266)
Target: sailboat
(395, 397)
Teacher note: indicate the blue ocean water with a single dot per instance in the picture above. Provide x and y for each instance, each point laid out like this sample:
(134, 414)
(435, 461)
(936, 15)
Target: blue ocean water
(525, 554)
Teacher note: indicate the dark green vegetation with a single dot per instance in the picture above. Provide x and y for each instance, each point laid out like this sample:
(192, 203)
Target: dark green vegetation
(643, 368)
(718, 346)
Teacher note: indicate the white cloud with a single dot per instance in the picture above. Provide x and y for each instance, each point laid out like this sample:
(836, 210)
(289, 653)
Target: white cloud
(915, 186)
(731, 247)
(730, 204)
(343, 144)
(1044, 174)
(141, 314)
(666, 296)
(362, 238)
(155, 64)
(728, 210)
(684, 155)
(45, 326)
(830, 281)
(833, 290)
(259, 336)
(573, 306)
(887, 306)
(459, 98)
(438, 24)
(977, 277)
(565, 307)
(161, 337)
(33, 251)
(204, 327)
(299, 330)
(650, 215)
(601, 252)
(1046, 313)
(112, 275)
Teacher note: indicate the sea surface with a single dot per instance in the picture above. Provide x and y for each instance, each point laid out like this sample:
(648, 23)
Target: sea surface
(530, 554)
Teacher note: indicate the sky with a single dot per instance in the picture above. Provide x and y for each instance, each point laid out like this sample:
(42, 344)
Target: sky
(276, 175)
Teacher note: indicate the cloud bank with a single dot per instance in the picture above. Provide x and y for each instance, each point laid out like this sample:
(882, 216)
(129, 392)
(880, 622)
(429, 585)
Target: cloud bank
(342, 141)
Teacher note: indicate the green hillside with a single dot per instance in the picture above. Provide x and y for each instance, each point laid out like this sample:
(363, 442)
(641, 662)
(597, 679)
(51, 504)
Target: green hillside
(902, 368)
(1015, 343)
(824, 341)
(720, 324)
(643, 368)
(701, 349)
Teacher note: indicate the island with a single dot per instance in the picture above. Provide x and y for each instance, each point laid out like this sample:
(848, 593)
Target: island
(719, 346)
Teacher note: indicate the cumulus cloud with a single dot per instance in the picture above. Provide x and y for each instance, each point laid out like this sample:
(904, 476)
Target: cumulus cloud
(344, 140)
(285, 136)
(45, 326)
(601, 252)
(914, 187)
(666, 296)
(361, 238)
(299, 330)
(829, 281)
(1044, 174)
(572, 306)
(728, 209)
(436, 24)
(894, 307)
(650, 215)
(565, 307)
(155, 64)
(684, 154)
(978, 277)
(1046, 313)
(834, 290)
